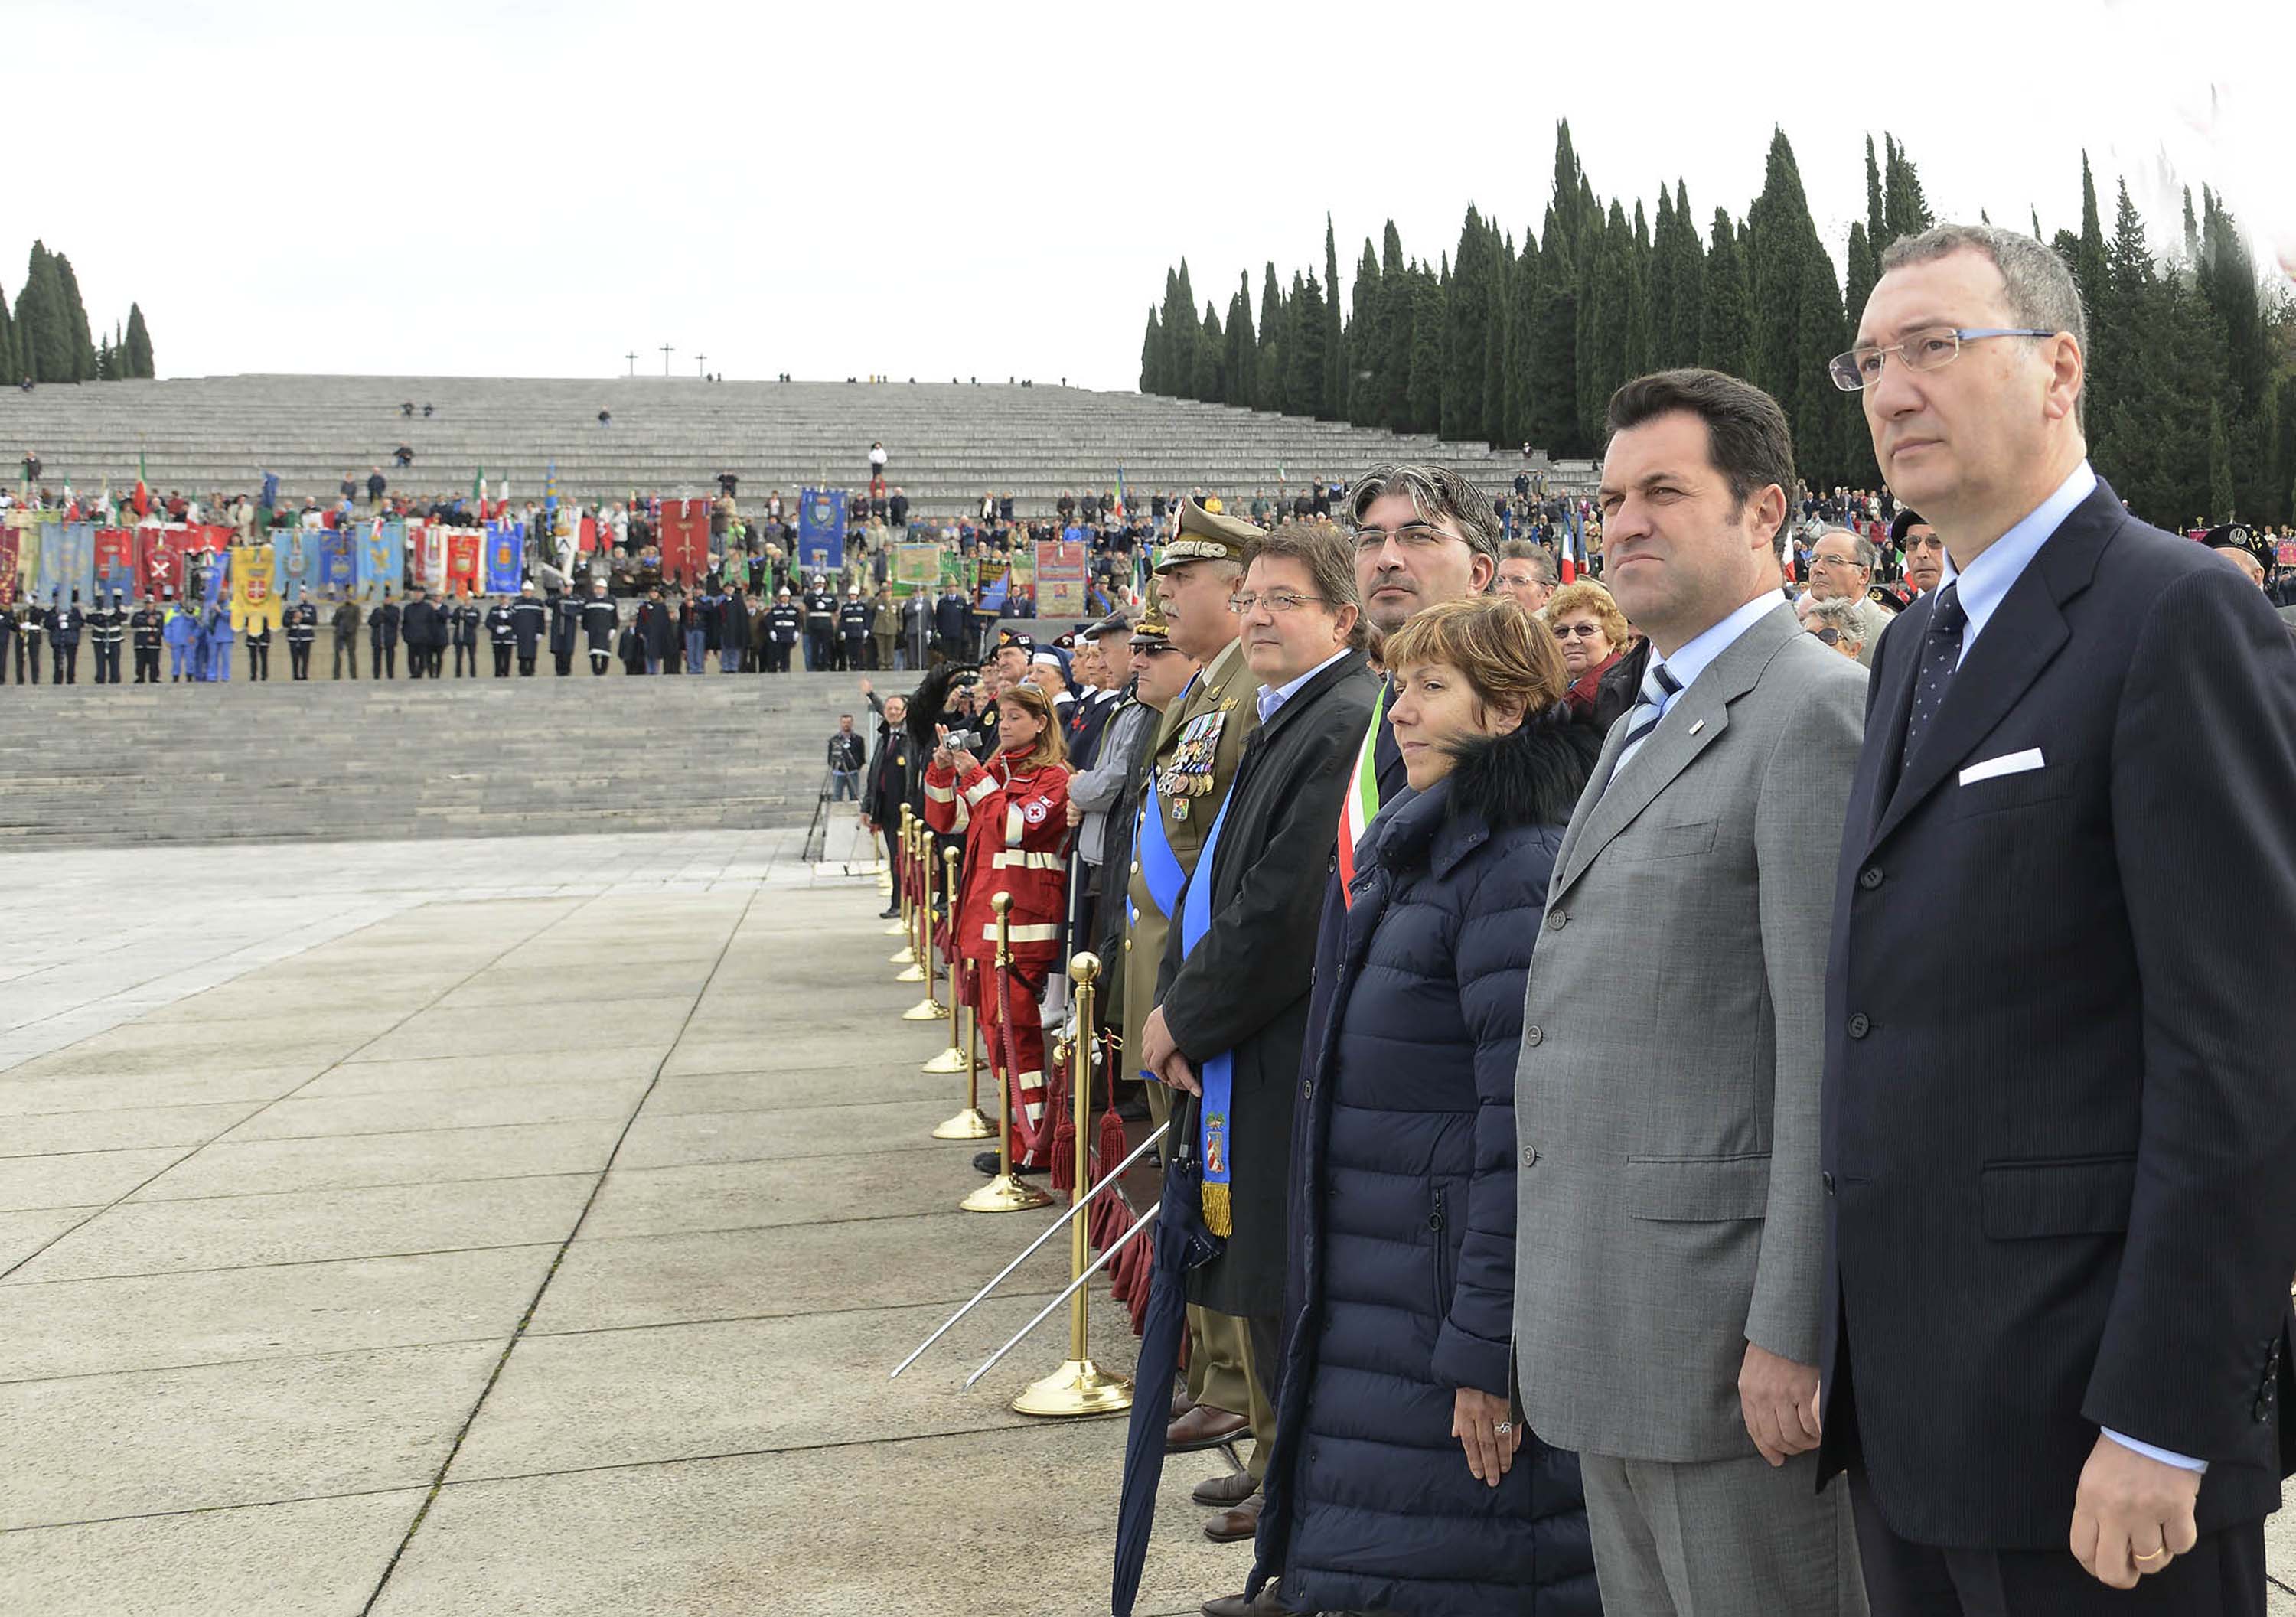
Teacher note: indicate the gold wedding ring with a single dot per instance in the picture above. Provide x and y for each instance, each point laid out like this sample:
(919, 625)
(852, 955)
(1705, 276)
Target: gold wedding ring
(2156, 1555)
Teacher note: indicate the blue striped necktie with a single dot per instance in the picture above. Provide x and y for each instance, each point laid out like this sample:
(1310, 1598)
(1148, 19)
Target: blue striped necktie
(1940, 656)
(1658, 687)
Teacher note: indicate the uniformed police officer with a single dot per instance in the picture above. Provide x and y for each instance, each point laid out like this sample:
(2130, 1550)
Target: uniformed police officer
(463, 623)
(529, 620)
(782, 621)
(64, 626)
(258, 635)
(107, 628)
(600, 619)
(302, 629)
(501, 635)
(346, 624)
(421, 626)
(31, 628)
(565, 627)
(148, 627)
(854, 620)
(820, 627)
(382, 637)
(1198, 747)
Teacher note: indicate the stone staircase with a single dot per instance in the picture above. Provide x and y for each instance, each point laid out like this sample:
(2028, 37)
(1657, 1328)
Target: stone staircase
(88, 765)
(948, 443)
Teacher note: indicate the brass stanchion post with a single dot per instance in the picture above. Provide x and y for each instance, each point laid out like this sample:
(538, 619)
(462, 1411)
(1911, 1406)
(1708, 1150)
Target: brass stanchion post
(898, 868)
(908, 924)
(967, 1124)
(1079, 1386)
(1007, 1192)
(920, 914)
(928, 1009)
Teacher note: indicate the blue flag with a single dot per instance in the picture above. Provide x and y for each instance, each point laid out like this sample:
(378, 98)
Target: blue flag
(506, 556)
(382, 560)
(297, 568)
(821, 530)
(270, 493)
(339, 561)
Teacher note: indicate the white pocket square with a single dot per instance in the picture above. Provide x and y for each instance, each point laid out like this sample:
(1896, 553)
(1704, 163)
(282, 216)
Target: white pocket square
(2008, 763)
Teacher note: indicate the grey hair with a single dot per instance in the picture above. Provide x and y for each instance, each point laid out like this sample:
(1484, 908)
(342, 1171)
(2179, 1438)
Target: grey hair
(1534, 552)
(1437, 494)
(1843, 616)
(2041, 291)
(1861, 548)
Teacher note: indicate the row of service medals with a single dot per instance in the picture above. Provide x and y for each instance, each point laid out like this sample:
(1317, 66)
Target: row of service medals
(1190, 773)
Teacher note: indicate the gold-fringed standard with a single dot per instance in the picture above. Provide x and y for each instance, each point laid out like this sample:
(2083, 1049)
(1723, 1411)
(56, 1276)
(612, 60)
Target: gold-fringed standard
(952, 1060)
(907, 927)
(1007, 1192)
(1079, 1387)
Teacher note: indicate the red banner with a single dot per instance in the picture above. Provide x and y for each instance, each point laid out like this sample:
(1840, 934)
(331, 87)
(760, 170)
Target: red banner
(684, 540)
(9, 555)
(211, 535)
(585, 538)
(462, 561)
(116, 571)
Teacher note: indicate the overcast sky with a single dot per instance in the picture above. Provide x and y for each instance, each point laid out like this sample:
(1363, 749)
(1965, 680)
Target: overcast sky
(532, 189)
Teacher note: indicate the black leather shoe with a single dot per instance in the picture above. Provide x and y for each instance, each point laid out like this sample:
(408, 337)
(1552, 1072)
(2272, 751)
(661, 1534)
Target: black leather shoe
(986, 1163)
(889, 912)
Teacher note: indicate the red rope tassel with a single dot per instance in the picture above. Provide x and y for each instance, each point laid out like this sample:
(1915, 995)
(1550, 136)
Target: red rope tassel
(1111, 1145)
(1056, 1102)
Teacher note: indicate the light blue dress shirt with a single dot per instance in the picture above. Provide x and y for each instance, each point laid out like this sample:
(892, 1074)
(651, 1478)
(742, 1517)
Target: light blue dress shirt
(1693, 657)
(1272, 697)
(1982, 588)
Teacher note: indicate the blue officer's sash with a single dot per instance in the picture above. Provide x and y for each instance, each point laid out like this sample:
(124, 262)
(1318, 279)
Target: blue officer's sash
(1216, 1072)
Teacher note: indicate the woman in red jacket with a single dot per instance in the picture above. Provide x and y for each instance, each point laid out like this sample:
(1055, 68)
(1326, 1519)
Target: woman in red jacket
(1014, 809)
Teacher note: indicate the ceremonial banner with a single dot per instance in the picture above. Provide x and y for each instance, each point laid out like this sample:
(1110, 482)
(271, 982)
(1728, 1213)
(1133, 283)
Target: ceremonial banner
(339, 562)
(297, 565)
(462, 560)
(426, 545)
(2285, 552)
(996, 585)
(684, 540)
(1063, 574)
(956, 573)
(585, 537)
(506, 551)
(211, 574)
(160, 553)
(916, 568)
(9, 551)
(114, 562)
(252, 598)
(821, 530)
(382, 560)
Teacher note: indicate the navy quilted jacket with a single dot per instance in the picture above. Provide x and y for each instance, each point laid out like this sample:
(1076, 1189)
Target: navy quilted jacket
(1403, 1214)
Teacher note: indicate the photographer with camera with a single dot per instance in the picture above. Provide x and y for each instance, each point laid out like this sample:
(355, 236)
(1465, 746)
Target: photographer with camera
(1013, 810)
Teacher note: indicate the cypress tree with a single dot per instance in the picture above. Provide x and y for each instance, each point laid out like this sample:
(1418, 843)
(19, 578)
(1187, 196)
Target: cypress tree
(1607, 321)
(1364, 346)
(1152, 355)
(1467, 310)
(75, 326)
(1242, 346)
(1877, 218)
(139, 344)
(2191, 231)
(1555, 420)
(1817, 411)
(2220, 492)
(1495, 338)
(1303, 365)
(1334, 404)
(2088, 263)
(1523, 289)
(1725, 318)
(1208, 382)
(8, 372)
(1642, 334)
(1397, 293)
(1861, 272)
(1267, 377)
(1689, 281)
(43, 333)
(1906, 211)
(1662, 294)
(1180, 329)
(1423, 407)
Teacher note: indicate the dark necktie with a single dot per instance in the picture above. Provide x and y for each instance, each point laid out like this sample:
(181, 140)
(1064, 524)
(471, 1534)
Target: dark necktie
(1940, 655)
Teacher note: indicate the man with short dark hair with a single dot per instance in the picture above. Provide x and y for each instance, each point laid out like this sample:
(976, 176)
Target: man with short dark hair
(1527, 572)
(420, 624)
(2061, 1222)
(1666, 1100)
(846, 755)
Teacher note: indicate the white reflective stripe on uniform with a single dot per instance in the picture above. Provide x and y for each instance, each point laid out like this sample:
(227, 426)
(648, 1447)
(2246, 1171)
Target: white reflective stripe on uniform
(1008, 859)
(1047, 932)
(981, 790)
(940, 794)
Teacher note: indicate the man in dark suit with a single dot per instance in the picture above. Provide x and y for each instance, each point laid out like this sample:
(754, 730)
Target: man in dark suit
(1238, 959)
(2061, 1219)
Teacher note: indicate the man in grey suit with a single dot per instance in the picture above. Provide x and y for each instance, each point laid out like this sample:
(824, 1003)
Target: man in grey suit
(1671, 1228)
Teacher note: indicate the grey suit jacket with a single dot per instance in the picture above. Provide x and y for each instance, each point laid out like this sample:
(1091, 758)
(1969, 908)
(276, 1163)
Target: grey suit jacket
(1667, 1098)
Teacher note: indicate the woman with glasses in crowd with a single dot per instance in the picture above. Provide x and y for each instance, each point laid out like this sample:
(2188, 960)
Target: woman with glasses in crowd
(1593, 634)
(1400, 1481)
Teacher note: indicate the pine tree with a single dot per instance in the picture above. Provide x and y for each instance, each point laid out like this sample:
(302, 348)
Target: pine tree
(139, 344)
(1242, 347)
(1334, 404)
(1423, 410)
(75, 326)
(1725, 318)
(1267, 372)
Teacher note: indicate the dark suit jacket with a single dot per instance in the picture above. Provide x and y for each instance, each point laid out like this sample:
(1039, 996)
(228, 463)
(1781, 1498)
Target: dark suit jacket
(1243, 988)
(2060, 1118)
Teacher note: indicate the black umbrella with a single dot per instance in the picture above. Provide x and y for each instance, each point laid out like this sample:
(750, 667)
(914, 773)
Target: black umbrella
(1181, 1243)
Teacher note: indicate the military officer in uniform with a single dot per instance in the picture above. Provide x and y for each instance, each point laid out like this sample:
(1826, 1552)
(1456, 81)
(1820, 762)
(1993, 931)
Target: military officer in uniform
(107, 627)
(31, 624)
(565, 629)
(782, 623)
(149, 627)
(465, 620)
(1198, 745)
(854, 620)
(65, 623)
(529, 619)
(346, 624)
(382, 637)
(258, 635)
(302, 629)
(820, 627)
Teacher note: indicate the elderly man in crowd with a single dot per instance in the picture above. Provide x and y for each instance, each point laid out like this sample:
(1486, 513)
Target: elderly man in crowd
(1842, 569)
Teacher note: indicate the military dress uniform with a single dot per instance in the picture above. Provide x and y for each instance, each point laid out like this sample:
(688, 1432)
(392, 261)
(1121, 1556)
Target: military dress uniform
(529, 620)
(65, 625)
(601, 618)
(820, 629)
(782, 623)
(462, 629)
(1198, 748)
(346, 625)
(106, 628)
(853, 622)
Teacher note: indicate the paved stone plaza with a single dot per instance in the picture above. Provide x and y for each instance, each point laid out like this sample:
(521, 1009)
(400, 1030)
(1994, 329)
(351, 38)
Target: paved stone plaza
(518, 1225)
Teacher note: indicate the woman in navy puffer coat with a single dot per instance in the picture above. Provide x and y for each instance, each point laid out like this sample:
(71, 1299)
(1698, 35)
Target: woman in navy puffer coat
(1403, 1209)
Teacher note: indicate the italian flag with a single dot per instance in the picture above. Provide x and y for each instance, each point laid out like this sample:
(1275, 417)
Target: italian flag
(143, 490)
(479, 493)
(1360, 806)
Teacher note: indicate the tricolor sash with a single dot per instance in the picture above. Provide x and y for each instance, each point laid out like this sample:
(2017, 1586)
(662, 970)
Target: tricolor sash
(1361, 805)
(1217, 1073)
